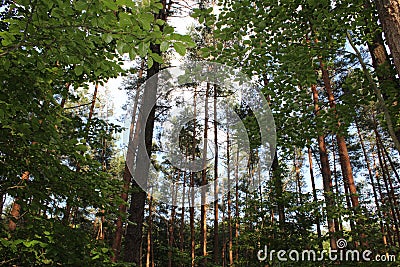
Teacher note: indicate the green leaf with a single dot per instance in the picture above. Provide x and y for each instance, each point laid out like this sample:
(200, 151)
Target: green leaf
(107, 37)
(164, 46)
(157, 57)
(168, 29)
(125, 20)
(81, 147)
(150, 62)
(120, 47)
(110, 4)
(78, 70)
(180, 48)
(132, 53)
(143, 49)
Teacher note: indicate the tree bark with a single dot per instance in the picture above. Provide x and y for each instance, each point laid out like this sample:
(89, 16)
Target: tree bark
(230, 241)
(276, 174)
(216, 200)
(343, 153)
(389, 16)
(192, 175)
(127, 176)
(203, 215)
(326, 176)
(237, 206)
(172, 224)
(388, 83)
(315, 198)
(133, 238)
(149, 261)
(16, 207)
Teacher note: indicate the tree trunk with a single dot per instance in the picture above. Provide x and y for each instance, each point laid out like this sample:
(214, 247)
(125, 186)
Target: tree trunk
(68, 207)
(171, 223)
(127, 177)
(16, 207)
(2, 198)
(133, 239)
(192, 175)
(182, 223)
(230, 241)
(276, 173)
(389, 16)
(343, 153)
(315, 198)
(338, 221)
(149, 235)
(377, 91)
(384, 72)
(203, 215)
(237, 206)
(388, 184)
(216, 200)
(326, 176)
(372, 182)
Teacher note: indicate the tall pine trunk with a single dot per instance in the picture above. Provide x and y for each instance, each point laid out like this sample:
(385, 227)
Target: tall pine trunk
(192, 176)
(343, 153)
(216, 201)
(389, 16)
(326, 176)
(203, 215)
(127, 176)
(315, 198)
(134, 231)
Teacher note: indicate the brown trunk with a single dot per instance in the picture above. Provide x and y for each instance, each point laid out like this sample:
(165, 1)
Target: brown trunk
(297, 162)
(386, 154)
(278, 190)
(338, 221)
(389, 122)
(237, 206)
(230, 241)
(149, 230)
(133, 239)
(16, 207)
(216, 201)
(127, 177)
(182, 224)
(389, 191)
(191, 208)
(371, 178)
(315, 198)
(2, 197)
(68, 207)
(388, 181)
(326, 175)
(223, 249)
(203, 215)
(172, 223)
(384, 72)
(389, 16)
(343, 153)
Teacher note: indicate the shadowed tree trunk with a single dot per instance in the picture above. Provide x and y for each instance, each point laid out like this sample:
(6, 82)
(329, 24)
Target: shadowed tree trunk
(315, 198)
(16, 207)
(216, 200)
(134, 232)
(192, 176)
(326, 176)
(203, 214)
(127, 177)
(389, 16)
